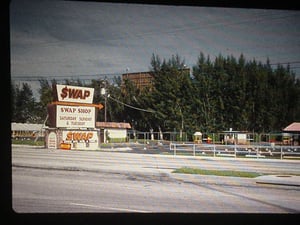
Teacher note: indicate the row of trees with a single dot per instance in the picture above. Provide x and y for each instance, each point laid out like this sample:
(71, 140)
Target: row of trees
(216, 95)
(227, 93)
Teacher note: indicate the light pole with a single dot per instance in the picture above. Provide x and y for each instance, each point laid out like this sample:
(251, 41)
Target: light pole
(181, 130)
(104, 92)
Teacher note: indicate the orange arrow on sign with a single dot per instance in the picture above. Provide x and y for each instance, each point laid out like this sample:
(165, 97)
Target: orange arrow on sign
(99, 106)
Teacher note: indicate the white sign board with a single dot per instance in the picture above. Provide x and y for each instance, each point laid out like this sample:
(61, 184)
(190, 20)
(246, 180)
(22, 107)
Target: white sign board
(81, 139)
(67, 93)
(75, 116)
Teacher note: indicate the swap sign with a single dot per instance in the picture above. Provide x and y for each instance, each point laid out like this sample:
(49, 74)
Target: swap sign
(67, 93)
(79, 136)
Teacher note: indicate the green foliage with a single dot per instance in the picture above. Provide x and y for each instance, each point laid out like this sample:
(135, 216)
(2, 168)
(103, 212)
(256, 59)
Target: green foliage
(227, 92)
(46, 97)
(169, 98)
(23, 105)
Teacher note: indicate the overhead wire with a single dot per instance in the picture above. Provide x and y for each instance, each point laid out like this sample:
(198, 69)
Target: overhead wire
(64, 77)
(86, 77)
(130, 106)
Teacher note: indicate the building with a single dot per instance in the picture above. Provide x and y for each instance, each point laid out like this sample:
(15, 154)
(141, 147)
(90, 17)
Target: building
(140, 79)
(143, 79)
(27, 130)
(292, 136)
(235, 137)
(113, 131)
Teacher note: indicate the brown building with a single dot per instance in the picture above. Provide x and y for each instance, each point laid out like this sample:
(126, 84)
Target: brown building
(139, 79)
(143, 79)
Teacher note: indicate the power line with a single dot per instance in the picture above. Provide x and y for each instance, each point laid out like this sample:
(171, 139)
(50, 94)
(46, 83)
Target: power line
(290, 63)
(104, 75)
(295, 67)
(92, 77)
(130, 106)
(64, 77)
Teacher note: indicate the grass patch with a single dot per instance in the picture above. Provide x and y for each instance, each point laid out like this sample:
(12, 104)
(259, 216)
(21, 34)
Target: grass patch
(28, 142)
(230, 173)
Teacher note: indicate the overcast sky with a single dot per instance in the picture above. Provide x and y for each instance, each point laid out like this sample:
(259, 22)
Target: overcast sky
(84, 39)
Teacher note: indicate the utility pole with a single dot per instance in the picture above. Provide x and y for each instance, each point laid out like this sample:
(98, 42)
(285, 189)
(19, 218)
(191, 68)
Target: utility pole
(105, 102)
(104, 92)
(181, 130)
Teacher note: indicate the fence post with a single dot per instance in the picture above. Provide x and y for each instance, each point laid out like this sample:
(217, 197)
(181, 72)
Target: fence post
(281, 152)
(214, 150)
(234, 150)
(194, 149)
(174, 149)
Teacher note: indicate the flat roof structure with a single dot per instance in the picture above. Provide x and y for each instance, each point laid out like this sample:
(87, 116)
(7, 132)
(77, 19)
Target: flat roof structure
(113, 125)
(27, 126)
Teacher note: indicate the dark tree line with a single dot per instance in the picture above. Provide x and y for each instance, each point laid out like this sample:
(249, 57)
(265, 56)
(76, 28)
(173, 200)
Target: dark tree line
(226, 93)
(214, 96)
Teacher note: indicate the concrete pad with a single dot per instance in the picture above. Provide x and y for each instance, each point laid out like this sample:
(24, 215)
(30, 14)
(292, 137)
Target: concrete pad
(290, 180)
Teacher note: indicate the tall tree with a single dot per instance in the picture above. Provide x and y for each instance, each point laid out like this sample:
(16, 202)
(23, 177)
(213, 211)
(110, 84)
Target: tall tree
(46, 97)
(114, 111)
(24, 105)
(171, 84)
(205, 91)
(14, 93)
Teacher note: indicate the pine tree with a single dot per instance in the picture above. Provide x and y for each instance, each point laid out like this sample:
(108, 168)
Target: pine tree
(24, 105)
(171, 83)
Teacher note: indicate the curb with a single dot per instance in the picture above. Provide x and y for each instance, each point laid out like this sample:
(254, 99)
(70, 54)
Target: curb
(288, 180)
(27, 146)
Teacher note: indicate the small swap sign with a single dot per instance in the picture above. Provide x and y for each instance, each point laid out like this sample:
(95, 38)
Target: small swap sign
(67, 93)
(78, 139)
(80, 136)
(75, 116)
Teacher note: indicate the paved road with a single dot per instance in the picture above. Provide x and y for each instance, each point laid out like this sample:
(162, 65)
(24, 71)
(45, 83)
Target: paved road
(91, 181)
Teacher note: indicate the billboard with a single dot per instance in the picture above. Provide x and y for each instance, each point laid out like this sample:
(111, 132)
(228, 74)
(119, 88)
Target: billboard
(75, 116)
(67, 93)
(66, 116)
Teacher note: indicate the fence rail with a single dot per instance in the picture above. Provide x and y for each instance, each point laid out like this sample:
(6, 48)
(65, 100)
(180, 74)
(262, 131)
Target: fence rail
(247, 151)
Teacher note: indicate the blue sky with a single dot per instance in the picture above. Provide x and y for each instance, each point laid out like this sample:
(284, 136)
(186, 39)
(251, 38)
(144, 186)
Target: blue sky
(73, 39)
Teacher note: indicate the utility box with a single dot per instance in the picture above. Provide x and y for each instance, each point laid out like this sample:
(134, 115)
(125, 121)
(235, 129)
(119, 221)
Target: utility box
(197, 137)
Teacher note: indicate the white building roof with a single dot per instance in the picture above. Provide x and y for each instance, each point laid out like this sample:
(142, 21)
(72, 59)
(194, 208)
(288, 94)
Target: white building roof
(27, 126)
